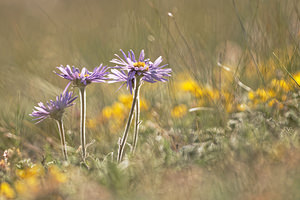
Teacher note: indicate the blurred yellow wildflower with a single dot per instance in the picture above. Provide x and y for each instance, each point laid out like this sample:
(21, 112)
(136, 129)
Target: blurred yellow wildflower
(297, 77)
(192, 87)
(281, 106)
(251, 95)
(189, 85)
(261, 94)
(30, 182)
(271, 93)
(20, 173)
(107, 112)
(179, 111)
(241, 107)
(126, 100)
(7, 191)
(275, 103)
(228, 107)
(272, 102)
(280, 85)
(56, 174)
(275, 92)
(118, 110)
(35, 170)
(29, 179)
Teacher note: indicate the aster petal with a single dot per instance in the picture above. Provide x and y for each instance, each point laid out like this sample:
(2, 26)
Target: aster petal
(118, 62)
(42, 119)
(62, 69)
(129, 85)
(83, 72)
(130, 63)
(157, 62)
(132, 56)
(40, 109)
(142, 56)
(67, 86)
(123, 54)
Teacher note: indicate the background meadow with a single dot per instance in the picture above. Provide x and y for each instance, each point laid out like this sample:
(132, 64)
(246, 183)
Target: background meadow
(225, 125)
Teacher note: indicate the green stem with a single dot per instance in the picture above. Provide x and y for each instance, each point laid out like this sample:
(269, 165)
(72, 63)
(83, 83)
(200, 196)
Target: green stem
(125, 135)
(137, 122)
(82, 93)
(62, 138)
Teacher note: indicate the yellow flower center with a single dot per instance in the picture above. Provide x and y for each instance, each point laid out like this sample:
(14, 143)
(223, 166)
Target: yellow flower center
(86, 75)
(139, 64)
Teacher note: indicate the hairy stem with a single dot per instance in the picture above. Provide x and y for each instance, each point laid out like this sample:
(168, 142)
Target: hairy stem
(122, 143)
(137, 122)
(62, 138)
(82, 93)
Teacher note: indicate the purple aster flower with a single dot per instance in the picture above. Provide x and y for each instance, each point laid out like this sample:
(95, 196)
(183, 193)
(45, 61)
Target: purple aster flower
(53, 109)
(81, 79)
(84, 77)
(141, 67)
(134, 71)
